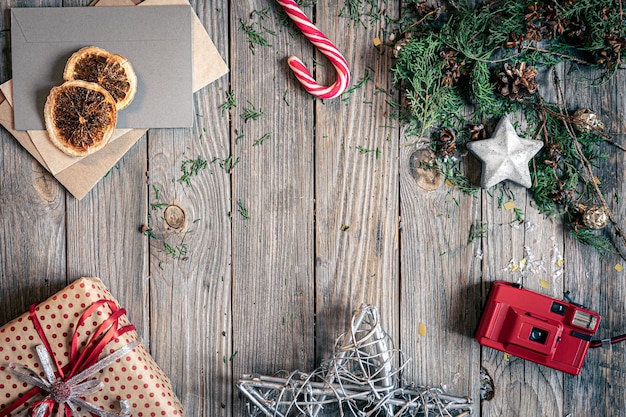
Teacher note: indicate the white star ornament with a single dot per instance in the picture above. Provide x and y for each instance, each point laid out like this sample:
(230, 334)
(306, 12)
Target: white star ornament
(505, 156)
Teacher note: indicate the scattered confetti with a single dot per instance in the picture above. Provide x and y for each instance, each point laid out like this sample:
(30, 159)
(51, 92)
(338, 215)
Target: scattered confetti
(557, 262)
(422, 329)
(619, 268)
(377, 41)
(513, 266)
(528, 265)
(509, 205)
(507, 357)
(544, 284)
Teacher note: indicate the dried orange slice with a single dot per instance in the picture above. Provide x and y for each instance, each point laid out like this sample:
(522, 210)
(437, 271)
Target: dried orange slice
(111, 71)
(80, 117)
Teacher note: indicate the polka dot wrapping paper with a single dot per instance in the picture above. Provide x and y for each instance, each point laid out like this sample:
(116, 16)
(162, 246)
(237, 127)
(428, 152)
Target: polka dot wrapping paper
(72, 320)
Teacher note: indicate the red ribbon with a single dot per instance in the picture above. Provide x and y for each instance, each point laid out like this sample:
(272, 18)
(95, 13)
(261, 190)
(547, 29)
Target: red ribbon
(107, 331)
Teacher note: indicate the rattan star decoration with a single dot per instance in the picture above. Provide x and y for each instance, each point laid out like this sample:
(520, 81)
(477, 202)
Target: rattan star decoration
(360, 380)
(505, 156)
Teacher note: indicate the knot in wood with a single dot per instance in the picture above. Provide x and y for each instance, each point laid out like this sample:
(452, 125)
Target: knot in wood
(424, 171)
(175, 218)
(60, 392)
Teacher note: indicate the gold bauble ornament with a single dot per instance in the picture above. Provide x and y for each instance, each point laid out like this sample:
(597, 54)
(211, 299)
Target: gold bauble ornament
(585, 120)
(595, 217)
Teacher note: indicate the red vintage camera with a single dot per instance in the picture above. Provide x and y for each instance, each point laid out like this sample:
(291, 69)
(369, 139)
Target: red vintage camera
(536, 327)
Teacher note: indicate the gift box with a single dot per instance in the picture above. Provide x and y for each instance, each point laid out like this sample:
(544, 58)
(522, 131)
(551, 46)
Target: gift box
(77, 354)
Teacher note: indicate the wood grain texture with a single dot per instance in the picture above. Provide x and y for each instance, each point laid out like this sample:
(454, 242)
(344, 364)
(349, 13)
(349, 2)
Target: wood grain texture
(592, 278)
(322, 211)
(190, 268)
(356, 184)
(32, 217)
(440, 280)
(272, 201)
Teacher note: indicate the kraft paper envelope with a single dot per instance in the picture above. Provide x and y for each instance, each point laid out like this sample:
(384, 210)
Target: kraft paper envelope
(156, 40)
(84, 173)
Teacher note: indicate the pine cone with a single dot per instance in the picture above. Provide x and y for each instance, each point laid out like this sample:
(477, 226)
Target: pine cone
(452, 69)
(517, 82)
(477, 131)
(446, 145)
(576, 32)
(612, 55)
(561, 195)
(555, 154)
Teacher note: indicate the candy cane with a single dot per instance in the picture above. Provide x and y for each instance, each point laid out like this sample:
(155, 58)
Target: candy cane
(325, 46)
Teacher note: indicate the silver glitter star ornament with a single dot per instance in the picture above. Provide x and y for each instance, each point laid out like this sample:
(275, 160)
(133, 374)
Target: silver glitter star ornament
(505, 156)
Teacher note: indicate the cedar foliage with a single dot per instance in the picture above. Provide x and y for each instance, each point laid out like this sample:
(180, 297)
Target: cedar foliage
(456, 57)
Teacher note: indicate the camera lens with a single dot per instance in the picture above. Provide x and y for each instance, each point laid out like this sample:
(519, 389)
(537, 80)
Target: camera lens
(538, 335)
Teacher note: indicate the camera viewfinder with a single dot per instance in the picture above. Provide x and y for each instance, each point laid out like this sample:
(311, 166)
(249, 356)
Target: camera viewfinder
(558, 308)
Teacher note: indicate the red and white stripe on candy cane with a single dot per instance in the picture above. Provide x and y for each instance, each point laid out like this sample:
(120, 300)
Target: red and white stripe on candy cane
(325, 46)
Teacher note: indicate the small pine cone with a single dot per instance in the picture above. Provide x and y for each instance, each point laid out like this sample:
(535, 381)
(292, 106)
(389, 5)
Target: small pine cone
(446, 146)
(517, 82)
(561, 195)
(477, 131)
(452, 69)
(555, 155)
(576, 32)
(589, 216)
(612, 54)
(515, 41)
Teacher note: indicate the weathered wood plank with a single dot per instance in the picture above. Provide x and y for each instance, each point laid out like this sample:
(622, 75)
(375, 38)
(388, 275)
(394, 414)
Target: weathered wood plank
(440, 267)
(517, 254)
(591, 278)
(32, 215)
(356, 184)
(189, 266)
(104, 237)
(272, 200)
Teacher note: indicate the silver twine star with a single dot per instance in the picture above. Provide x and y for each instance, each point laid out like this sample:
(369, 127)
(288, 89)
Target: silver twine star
(69, 392)
(360, 380)
(505, 156)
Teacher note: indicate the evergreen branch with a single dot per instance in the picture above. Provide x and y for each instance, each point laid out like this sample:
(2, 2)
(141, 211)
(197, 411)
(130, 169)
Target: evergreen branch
(558, 54)
(587, 168)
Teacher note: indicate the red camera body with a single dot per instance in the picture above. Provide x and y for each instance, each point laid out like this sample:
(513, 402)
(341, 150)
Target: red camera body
(536, 327)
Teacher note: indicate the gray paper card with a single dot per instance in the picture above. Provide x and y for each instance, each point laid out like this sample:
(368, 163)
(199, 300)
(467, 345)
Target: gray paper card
(155, 39)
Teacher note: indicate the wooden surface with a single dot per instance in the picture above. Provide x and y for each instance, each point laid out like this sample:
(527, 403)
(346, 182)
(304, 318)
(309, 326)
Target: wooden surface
(305, 228)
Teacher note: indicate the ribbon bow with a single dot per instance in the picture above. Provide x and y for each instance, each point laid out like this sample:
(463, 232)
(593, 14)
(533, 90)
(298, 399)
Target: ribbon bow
(69, 392)
(67, 385)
